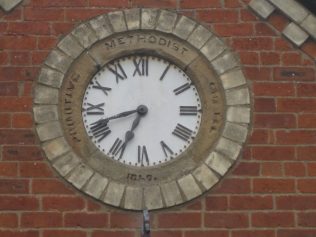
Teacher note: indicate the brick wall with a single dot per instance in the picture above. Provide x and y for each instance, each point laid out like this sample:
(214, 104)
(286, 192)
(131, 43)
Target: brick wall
(271, 191)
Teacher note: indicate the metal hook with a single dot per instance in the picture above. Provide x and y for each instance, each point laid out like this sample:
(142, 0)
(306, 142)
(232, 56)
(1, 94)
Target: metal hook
(146, 224)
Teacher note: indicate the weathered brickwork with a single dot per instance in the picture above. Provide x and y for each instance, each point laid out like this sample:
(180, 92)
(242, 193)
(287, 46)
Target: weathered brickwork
(271, 191)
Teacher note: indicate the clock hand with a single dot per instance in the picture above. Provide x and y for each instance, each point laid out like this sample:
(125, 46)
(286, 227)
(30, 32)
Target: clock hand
(142, 111)
(120, 115)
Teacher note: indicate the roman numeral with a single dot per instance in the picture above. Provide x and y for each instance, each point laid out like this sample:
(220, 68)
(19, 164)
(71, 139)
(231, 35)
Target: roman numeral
(95, 109)
(141, 66)
(142, 155)
(182, 132)
(118, 71)
(165, 72)
(102, 88)
(188, 110)
(182, 88)
(100, 130)
(166, 149)
(117, 147)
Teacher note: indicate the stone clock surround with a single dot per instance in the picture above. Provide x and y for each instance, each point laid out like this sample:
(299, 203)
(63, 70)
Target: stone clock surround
(59, 152)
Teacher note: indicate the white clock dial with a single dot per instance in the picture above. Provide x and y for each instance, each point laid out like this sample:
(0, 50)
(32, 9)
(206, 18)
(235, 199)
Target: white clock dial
(141, 110)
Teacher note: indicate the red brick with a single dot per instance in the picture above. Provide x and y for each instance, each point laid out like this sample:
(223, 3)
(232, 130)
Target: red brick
(41, 219)
(200, 4)
(295, 137)
(226, 220)
(43, 14)
(251, 202)
(103, 233)
(18, 203)
(74, 15)
(86, 220)
(270, 58)
(262, 29)
(232, 4)
(15, 104)
(18, 42)
(196, 205)
(306, 153)
(296, 169)
(60, 3)
(265, 105)
(247, 15)
(249, 58)
(311, 169)
(309, 47)
(216, 203)
(19, 233)
(12, 137)
(150, 3)
(8, 186)
(29, 28)
(111, 4)
(39, 57)
(291, 59)
(278, 20)
(27, 88)
(273, 219)
(165, 233)
(22, 121)
(233, 29)
(273, 89)
(20, 58)
(296, 202)
(15, 15)
(257, 74)
(124, 220)
(35, 169)
(233, 186)
(307, 120)
(307, 219)
(22, 153)
(5, 120)
(218, 15)
(62, 28)
(306, 90)
(273, 185)
(4, 58)
(262, 43)
(9, 89)
(247, 169)
(93, 206)
(261, 136)
(63, 203)
(293, 74)
(18, 73)
(297, 232)
(8, 169)
(306, 185)
(296, 105)
(252, 233)
(205, 233)
(49, 186)
(274, 121)
(8, 220)
(64, 233)
(271, 169)
(179, 220)
(282, 44)
(46, 42)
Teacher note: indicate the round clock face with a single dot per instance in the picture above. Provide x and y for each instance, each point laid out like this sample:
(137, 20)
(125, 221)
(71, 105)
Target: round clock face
(141, 110)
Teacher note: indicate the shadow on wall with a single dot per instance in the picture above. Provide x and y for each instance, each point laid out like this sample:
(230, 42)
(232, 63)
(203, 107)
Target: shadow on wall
(309, 4)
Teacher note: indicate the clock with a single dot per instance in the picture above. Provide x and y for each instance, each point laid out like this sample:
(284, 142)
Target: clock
(142, 109)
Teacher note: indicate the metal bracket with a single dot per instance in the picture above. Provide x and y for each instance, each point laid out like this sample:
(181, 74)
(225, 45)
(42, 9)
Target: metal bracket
(146, 224)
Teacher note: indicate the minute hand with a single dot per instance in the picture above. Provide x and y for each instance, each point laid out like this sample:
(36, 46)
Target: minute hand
(120, 115)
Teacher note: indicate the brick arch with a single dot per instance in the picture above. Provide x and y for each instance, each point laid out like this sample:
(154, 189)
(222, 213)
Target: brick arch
(299, 24)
